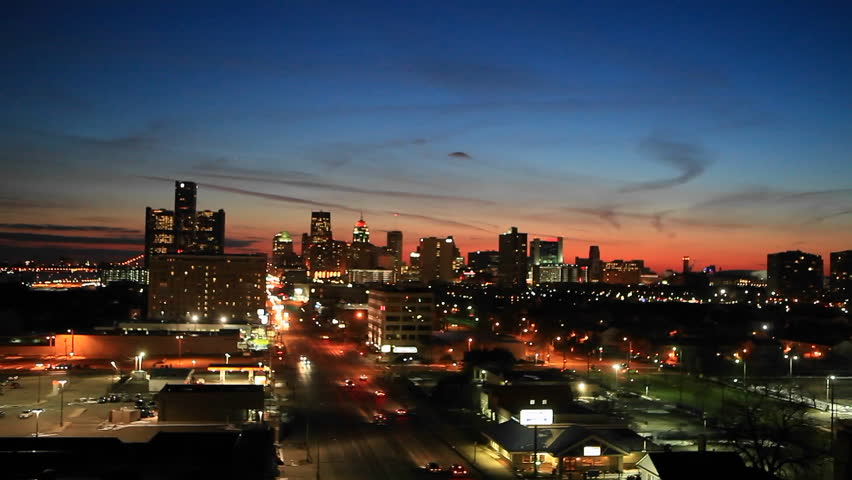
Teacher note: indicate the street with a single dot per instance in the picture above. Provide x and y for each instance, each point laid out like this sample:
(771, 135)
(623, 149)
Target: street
(344, 441)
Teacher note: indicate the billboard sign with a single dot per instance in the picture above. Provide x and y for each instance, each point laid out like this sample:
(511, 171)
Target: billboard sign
(537, 416)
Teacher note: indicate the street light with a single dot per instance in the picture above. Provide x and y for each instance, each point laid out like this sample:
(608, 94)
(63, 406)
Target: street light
(180, 349)
(616, 367)
(227, 357)
(62, 402)
(828, 379)
(791, 357)
(37, 412)
(745, 382)
(629, 350)
(829, 398)
(41, 374)
(469, 341)
(117, 372)
(139, 360)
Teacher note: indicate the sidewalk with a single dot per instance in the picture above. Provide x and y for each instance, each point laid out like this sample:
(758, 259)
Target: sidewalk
(295, 467)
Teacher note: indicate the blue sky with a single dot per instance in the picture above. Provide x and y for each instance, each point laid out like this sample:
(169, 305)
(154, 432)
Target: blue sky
(721, 130)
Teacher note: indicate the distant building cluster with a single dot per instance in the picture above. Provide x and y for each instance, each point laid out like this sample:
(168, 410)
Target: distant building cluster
(184, 229)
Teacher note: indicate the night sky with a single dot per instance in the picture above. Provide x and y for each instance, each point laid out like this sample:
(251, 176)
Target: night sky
(719, 130)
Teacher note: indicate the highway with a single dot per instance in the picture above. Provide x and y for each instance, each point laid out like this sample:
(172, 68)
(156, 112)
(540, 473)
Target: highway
(344, 441)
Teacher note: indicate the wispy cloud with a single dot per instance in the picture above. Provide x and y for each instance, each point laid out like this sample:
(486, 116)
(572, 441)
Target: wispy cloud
(69, 228)
(48, 238)
(337, 187)
(829, 216)
(607, 214)
(459, 155)
(761, 195)
(658, 220)
(689, 159)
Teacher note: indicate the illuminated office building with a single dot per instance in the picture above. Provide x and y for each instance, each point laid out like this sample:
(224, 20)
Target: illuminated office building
(619, 272)
(546, 252)
(209, 233)
(159, 232)
(400, 320)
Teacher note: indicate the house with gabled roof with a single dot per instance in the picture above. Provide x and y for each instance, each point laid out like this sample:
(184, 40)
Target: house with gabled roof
(573, 451)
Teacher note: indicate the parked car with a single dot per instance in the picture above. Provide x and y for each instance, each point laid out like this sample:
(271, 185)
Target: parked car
(25, 414)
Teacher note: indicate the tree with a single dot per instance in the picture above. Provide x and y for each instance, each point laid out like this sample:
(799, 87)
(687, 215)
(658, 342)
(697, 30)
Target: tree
(775, 436)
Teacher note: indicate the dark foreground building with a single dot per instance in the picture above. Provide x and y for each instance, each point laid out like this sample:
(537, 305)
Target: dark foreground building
(245, 454)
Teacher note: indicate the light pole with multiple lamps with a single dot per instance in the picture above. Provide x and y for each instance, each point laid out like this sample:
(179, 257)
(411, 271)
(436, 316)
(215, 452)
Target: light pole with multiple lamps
(791, 358)
(629, 350)
(138, 359)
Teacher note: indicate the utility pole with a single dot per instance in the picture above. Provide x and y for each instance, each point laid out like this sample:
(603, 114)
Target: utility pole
(535, 450)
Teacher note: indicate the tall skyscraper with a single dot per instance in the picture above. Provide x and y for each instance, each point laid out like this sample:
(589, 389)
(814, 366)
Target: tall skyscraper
(546, 252)
(394, 243)
(686, 268)
(512, 271)
(209, 233)
(361, 232)
(320, 227)
(185, 215)
(326, 258)
(794, 274)
(436, 259)
(159, 232)
(840, 278)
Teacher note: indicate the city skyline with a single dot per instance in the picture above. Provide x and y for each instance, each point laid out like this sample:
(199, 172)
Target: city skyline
(654, 132)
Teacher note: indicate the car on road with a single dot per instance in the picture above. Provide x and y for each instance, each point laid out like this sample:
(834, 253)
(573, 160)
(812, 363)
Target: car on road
(26, 414)
(433, 467)
(2, 414)
(380, 393)
(348, 383)
(363, 377)
(380, 419)
(402, 412)
(457, 471)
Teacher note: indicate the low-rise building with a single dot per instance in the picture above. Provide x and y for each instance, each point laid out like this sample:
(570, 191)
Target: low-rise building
(572, 452)
(210, 403)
